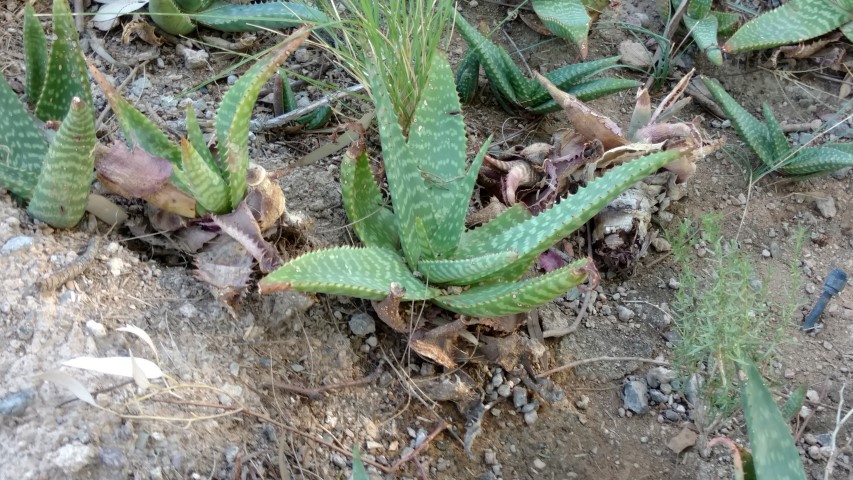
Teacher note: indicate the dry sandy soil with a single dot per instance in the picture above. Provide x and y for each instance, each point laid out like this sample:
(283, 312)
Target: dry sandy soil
(222, 417)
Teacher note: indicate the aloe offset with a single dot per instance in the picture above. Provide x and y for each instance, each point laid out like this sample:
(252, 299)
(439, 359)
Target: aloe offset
(420, 242)
(54, 177)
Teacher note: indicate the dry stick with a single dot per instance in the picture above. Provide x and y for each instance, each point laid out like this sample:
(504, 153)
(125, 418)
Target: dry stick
(317, 393)
(821, 396)
(561, 332)
(578, 363)
(268, 124)
(839, 422)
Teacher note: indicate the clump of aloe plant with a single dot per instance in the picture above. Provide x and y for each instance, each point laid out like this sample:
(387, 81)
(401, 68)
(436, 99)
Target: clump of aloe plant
(514, 91)
(52, 175)
(769, 142)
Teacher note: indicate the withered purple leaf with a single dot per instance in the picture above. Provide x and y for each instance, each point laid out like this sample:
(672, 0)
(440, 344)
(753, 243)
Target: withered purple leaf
(242, 226)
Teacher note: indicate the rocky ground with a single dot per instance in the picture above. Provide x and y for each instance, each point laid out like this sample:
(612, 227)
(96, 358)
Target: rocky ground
(245, 393)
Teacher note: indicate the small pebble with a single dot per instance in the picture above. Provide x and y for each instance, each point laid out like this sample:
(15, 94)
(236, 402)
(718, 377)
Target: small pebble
(16, 243)
(624, 313)
(15, 404)
(362, 324)
(765, 253)
(372, 341)
(519, 397)
(97, 329)
(489, 457)
(674, 284)
(531, 417)
(504, 390)
(232, 79)
(583, 402)
(538, 464)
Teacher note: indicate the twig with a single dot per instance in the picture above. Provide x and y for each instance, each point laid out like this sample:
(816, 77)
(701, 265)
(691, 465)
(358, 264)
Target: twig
(578, 363)
(74, 269)
(317, 393)
(839, 422)
(799, 127)
(270, 123)
(442, 425)
(561, 332)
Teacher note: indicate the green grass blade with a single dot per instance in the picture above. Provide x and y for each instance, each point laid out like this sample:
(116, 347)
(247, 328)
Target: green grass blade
(355, 272)
(271, 14)
(206, 185)
(465, 271)
(358, 470)
(66, 76)
(750, 129)
(235, 111)
(22, 145)
(59, 198)
(704, 33)
(773, 451)
(35, 53)
(793, 22)
(816, 160)
(373, 222)
(518, 297)
(567, 19)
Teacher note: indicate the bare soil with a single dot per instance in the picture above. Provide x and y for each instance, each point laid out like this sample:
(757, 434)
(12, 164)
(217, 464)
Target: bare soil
(222, 418)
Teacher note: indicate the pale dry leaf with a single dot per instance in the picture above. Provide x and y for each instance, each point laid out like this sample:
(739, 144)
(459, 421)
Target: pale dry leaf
(72, 384)
(108, 14)
(134, 330)
(138, 375)
(119, 366)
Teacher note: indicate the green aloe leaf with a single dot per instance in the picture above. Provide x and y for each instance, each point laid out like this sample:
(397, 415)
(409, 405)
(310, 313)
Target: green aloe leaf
(374, 223)
(196, 138)
(794, 403)
(566, 77)
(465, 271)
(471, 239)
(586, 91)
(206, 185)
(235, 111)
(59, 198)
(270, 14)
(816, 160)
(726, 22)
(844, 147)
(698, 8)
(795, 21)
(704, 33)
(537, 234)
(468, 76)
(750, 129)
(316, 119)
(567, 19)
(774, 454)
(775, 136)
(847, 30)
(511, 298)
(167, 15)
(66, 76)
(35, 53)
(191, 6)
(356, 272)
(22, 145)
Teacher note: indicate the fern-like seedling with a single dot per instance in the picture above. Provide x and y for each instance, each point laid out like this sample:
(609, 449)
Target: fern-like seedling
(793, 22)
(769, 143)
(514, 91)
(53, 176)
(418, 247)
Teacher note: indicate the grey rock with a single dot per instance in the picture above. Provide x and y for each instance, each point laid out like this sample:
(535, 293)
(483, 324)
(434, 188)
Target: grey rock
(504, 390)
(691, 392)
(624, 314)
(73, 458)
(583, 402)
(810, 439)
(362, 324)
(138, 87)
(671, 415)
(15, 404)
(539, 464)
(657, 396)
(814, 453)
(302, 55)
(658, 375)
(824, 439)
(497, 379)
(231, 454)
(530, 407)
(660, 244)
(489, 457)
(339, 460)
(774, 249)
(193, 59)
(16, 243)
(519, 397)
(841, 174)
(826, 207)
(531, 417)
(673, 284)
(635, 396)
(112, 457)
(665, 388)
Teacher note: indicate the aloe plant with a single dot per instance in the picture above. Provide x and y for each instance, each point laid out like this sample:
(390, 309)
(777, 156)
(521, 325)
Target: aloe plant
(569, 19)
(420, 242)
(217, 183)
(704, 25)
(793, 22)
(180, 17)
(769, 143)
(514, 91)
(54, 177)
(284, 101)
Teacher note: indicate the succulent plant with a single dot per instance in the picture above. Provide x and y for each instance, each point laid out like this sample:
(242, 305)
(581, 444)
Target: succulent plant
(705, 24)
(569, 19)
(418, 249)
(793, 22)
(770, 144)
(514, 91)
(284, 101)
(53, 176)
(180, 17)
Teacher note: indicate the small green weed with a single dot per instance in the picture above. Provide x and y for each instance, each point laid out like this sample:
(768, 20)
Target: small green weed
(722, 314)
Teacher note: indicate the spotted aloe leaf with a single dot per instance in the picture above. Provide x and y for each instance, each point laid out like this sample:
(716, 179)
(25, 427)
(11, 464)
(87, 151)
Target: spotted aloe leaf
(22, 145)
(792, 405)
(750, 129)
(774, 454)
(372, 220)
(206, 183)
(269, 14)
(35, 54)
(65, 76)
(59, 197)
(567, 19)
(812, 161)
(232, 119)
(515, 91)
(795, 21)
(356, 272)
(704, 32)
(468, 76)
(167, 15)
(502, 299)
